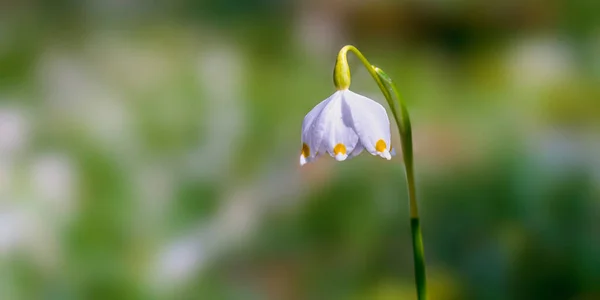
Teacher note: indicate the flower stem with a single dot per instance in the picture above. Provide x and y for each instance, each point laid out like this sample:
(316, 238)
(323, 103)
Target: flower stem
(402, 119)
(404, 126)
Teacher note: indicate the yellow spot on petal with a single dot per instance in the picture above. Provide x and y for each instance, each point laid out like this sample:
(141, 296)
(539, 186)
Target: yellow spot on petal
(380, 146)
(305, 150)
(339, 149)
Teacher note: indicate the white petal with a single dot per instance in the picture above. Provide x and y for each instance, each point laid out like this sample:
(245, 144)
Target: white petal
(303, 160)
(313, 127)
(339, 138)
(341, 157)
(385, 154)
(370, 121)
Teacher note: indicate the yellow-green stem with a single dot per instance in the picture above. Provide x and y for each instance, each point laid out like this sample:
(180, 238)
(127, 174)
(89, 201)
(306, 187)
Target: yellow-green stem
(341, 78)
(404, 126)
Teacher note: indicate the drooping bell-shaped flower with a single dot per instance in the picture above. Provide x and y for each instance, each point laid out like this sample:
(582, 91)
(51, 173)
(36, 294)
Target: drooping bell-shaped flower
(343, 125)
(346, 123)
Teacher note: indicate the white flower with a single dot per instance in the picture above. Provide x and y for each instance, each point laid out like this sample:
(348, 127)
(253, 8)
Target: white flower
(14, 129)
(343, 125)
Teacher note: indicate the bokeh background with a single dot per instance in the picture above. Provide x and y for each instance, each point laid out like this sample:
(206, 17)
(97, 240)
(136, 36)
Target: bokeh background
(149, 150)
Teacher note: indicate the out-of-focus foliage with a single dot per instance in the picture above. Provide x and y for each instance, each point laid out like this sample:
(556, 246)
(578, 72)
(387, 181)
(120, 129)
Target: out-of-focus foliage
(150, 150)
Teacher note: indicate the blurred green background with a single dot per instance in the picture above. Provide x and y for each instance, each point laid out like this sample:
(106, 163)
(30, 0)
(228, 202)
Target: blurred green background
(149, 150)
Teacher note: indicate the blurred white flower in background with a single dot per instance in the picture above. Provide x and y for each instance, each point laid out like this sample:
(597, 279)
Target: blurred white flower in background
(221, 75)
(134, 65)
(53, 182)
(12, 224)
(535, 63)
(178, 261)
(5, 177)
(27, 230)
(14, 131)
(14, 216)
(235, 221)
(154, 184)
(36, 193)
(76, 94)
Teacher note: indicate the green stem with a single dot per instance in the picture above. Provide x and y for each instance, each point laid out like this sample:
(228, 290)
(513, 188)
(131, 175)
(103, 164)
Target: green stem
(402, 118)
(403, 121)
